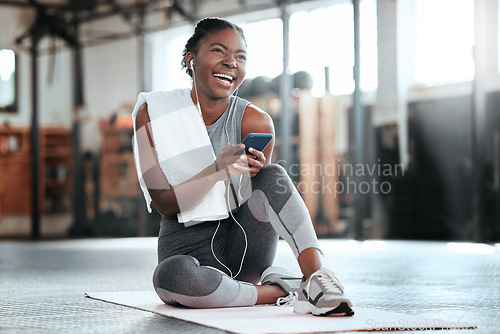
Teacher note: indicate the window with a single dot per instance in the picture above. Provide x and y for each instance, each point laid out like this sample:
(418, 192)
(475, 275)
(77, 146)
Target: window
(319, 38)
(444, 41)
(167, 47)
(324, 37)
(265, 55)
(8, 91)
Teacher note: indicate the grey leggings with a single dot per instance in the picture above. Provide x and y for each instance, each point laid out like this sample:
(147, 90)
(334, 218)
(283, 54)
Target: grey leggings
(189, 274)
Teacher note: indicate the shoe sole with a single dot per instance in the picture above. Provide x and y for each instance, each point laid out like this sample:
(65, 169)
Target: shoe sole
(342, 310)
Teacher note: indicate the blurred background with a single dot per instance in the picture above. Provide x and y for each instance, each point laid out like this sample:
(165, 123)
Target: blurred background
(386, 112)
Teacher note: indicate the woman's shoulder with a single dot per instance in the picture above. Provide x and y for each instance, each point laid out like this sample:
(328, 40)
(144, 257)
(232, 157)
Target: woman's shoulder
(254, 111)
(256, 119)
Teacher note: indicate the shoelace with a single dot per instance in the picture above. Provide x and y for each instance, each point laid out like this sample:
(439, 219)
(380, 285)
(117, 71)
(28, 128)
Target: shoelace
(328, 279)
(287, 300)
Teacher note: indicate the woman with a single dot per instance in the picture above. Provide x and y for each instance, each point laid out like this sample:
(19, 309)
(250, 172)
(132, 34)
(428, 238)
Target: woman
(219, 263)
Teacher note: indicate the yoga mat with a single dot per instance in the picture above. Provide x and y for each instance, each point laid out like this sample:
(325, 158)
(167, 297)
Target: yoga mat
(274, 319)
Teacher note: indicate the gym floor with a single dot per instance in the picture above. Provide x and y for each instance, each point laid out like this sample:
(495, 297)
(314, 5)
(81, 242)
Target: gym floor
(43, 283)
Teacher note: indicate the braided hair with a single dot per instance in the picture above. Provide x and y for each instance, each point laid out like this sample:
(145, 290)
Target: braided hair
(201, 30)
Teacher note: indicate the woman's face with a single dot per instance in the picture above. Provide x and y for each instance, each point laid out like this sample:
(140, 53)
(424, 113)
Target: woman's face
(220, 63)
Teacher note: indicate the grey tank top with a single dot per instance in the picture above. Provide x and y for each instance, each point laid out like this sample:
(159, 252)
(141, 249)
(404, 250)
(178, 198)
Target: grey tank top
(227, 129)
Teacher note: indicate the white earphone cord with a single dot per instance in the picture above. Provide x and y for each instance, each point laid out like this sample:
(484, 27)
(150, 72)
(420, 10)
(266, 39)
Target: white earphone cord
(246, 243)
(226, 192)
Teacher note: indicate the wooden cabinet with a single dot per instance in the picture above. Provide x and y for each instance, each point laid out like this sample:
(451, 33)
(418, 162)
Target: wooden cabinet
(15, 171)
(118, 183)
(56, 170)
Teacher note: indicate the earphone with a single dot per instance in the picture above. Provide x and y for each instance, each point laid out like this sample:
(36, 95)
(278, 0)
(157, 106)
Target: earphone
(191, 63)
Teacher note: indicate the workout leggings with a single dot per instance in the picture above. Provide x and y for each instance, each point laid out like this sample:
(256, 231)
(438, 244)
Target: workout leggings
(188, 273)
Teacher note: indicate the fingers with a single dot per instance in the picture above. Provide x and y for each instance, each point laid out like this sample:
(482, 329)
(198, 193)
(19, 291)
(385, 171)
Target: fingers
(236, 169)
(249, 167)
(237, 162)
(258, 154)
(254, 163)
(257, 159)
(237, 149)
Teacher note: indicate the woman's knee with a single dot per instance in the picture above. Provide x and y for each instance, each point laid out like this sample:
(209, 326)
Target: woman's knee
(273, 169)
(273, 177)
(167, 270)
(183, 275)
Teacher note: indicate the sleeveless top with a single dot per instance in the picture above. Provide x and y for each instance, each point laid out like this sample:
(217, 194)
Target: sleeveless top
(227, 129)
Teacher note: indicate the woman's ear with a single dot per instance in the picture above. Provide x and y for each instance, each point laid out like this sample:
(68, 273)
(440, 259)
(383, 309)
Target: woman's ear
(190, 60)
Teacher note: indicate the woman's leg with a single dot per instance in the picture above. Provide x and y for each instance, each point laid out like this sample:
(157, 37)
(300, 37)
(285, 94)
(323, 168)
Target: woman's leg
(180, 279)
(274, 208)
(275, 201)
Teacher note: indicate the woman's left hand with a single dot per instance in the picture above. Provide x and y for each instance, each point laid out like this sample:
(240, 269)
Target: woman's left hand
(256, 160)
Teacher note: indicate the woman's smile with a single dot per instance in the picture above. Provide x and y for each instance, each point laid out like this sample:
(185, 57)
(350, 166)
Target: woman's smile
(225, 80)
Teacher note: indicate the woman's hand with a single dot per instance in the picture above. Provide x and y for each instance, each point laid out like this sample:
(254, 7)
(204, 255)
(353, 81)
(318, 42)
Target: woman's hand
(233, 164)
(256, 160)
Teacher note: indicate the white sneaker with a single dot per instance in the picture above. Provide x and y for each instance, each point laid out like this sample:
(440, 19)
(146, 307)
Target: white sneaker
(322, 294)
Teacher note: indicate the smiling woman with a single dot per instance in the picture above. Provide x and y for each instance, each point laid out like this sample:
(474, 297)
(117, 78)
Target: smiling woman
(223, 66)
(8, 87)
(221, 56)
(222, 210)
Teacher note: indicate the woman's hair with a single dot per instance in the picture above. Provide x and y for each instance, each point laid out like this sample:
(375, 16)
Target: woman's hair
(201, 30)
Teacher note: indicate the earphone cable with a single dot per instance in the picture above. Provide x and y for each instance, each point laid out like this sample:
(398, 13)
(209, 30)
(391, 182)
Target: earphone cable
(244, 234)
(213, 252)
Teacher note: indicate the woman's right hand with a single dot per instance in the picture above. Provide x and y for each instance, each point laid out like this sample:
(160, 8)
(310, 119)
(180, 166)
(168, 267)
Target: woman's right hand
(233, 164)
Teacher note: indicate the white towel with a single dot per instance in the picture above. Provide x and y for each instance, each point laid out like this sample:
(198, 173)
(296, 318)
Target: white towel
(184, 149)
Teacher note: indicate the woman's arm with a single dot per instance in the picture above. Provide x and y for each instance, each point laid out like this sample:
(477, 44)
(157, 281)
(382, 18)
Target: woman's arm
(259, 121)
(172, 200)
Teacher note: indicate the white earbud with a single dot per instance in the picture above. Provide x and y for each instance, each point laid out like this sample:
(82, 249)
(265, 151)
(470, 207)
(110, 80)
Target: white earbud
(191, 63)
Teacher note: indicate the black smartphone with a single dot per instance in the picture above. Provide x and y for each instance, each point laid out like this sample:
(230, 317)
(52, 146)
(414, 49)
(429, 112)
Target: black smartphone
(258, 141)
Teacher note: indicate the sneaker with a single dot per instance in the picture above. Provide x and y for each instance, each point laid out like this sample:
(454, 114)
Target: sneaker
(322, 294)
(281, 277)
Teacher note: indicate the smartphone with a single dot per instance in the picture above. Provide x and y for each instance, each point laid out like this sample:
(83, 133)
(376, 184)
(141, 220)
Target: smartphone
(258, 141)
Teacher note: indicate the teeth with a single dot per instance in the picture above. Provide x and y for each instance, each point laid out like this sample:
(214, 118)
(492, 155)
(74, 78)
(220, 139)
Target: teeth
(225, 76)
